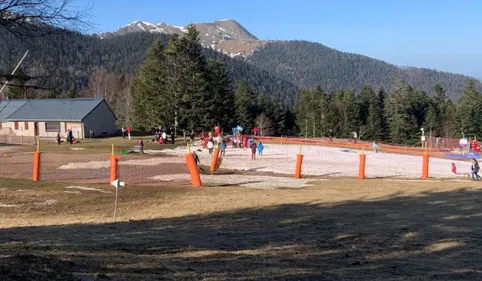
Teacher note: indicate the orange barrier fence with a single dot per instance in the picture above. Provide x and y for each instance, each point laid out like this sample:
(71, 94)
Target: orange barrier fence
(351, 145)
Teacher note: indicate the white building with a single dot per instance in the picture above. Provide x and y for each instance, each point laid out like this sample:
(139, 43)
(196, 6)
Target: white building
(48, 117)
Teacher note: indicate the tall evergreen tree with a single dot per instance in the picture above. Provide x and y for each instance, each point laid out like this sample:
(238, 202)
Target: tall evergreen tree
(152, 101)
(303, 112)
(223, 112)
(73, 92)
(350, 114)
(245, 107)
(17, 88)
(468, 111)
(400, 122)
(431, 123)
(382, 100)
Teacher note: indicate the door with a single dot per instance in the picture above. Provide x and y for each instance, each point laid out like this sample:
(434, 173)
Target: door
(36, 129)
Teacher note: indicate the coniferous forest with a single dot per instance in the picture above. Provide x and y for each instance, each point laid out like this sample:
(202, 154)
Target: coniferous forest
(180, 82)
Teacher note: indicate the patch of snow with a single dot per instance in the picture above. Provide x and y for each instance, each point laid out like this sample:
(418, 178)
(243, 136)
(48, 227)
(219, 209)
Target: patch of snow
(88, 189)
(8, 205)
(225, 36)
(106, 164)
(73, 192)
(258, 182)
(47, 202)
(78, 148)
(141, 26)
(182, 28)
(222, 29)
(213, 46)
(234, 55)
(332, 162)
(225, 19)
(207, 34)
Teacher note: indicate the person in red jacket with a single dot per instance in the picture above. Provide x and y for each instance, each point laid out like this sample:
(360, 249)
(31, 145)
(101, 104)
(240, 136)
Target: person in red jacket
(253, 147)
(129, 131)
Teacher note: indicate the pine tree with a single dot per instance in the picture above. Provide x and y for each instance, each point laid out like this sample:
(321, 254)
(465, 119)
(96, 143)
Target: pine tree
(468, 107)
(303, 113)
(17, 88)
(263, 104)
(198, 98)
(73, 92)
(382, 100)
(275, 113)
(224, 100)
(152, 101)
(400, 122)
(324, 113)
(440, 101)
(350, 114)
(431, 123)
(245, 107)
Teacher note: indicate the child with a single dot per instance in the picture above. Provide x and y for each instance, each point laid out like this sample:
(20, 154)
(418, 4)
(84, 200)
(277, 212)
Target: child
(141, 146)
(475, 170)
(223, 148)
(253, 150)
(375, 146)
(260, 148)
(58, 138)
(210, 147)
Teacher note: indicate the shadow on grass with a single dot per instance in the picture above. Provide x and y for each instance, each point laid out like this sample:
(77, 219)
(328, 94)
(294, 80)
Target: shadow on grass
(431, 236)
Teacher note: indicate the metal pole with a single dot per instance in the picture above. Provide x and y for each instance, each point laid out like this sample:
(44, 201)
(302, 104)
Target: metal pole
(115, 204)
(13, 72)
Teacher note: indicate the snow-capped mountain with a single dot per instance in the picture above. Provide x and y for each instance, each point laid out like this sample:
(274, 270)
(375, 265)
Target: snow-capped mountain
(227, 36)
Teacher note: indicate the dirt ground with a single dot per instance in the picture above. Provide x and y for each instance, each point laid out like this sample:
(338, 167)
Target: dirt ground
(16, 161)
(338, 229)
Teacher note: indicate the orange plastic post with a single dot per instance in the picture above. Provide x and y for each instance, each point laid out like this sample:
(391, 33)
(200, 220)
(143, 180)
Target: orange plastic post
(113, 167)
(214, 162)
(192, 167)
(36, 166)
(426, 158)
(361, 167)
(299, 161)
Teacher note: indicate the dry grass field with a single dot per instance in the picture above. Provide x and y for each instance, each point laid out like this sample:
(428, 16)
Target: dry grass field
(338, 229)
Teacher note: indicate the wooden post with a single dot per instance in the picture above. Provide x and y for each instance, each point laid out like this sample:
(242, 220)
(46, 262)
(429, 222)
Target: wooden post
(299, 161)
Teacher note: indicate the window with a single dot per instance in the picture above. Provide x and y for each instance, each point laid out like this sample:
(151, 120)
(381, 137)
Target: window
(52, 127)
(16, 125)
(25, 124)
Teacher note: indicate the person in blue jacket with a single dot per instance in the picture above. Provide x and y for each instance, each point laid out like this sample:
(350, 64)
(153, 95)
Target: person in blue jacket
(260, 148)
(223, 148)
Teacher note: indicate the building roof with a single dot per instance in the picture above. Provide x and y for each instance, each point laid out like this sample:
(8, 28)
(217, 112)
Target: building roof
(7, 107)
(53, 109)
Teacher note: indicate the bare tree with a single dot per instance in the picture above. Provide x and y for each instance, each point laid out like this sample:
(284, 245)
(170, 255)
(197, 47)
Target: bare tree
(265, 125)
(27, 18)
(103, 85)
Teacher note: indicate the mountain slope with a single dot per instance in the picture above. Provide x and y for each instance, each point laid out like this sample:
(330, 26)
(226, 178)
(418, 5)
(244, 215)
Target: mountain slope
(217, 35)
(308, 64)
(73, 57)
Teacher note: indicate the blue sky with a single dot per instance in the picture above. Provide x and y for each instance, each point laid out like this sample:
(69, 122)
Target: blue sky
(443, 35)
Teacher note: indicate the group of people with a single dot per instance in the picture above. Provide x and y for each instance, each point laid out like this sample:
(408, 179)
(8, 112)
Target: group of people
(160, 136)
(69, 137)
(126, 131)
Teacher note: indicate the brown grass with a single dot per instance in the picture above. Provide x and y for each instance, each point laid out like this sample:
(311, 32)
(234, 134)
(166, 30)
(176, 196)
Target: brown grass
(340, 229)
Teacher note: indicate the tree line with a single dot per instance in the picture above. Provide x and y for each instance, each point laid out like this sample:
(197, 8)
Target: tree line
(397, 116)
